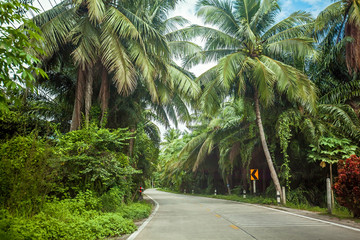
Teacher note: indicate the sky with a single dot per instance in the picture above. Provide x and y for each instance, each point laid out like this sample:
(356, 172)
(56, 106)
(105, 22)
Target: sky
(186, 8)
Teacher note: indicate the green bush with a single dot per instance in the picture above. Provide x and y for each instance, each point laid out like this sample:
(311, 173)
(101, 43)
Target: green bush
(86, 169)
(92, 159)
(77, 218)
(136, 210)
(113, 199)
(85, 204)
(43, 226)
(297, 197)
(25, 175)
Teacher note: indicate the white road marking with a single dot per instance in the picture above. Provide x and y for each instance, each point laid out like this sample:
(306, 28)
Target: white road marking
(306, 217)
(134, 234)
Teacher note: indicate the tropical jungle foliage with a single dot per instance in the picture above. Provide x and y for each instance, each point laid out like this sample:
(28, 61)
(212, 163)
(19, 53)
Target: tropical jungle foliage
(282, 91)
(78, 138)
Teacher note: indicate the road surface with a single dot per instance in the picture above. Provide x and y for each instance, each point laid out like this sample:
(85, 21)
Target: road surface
(197, 218)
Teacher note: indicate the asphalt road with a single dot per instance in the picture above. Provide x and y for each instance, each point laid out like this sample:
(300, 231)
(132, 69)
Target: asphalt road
(189, 217)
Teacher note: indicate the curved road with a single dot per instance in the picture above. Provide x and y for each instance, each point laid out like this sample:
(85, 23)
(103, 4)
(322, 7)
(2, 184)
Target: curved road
(189, 217)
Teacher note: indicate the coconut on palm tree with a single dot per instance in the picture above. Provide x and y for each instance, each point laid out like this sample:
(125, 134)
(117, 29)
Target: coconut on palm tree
(254, 55)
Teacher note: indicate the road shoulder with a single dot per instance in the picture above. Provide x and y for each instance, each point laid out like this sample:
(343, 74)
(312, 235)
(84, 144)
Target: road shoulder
(317, 215)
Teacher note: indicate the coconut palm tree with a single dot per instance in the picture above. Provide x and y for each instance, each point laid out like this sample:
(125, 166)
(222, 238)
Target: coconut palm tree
(228, 134)
(339, 21)
(130, 28)
(105, 37)
(252, 53)
(175, 86)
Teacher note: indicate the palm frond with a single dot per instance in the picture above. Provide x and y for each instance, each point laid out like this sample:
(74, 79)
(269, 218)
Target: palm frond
(56, 25)
(296, 46)
(342, 93)
(341, 117)
(96, 10)
(117, 61)
(193, 145)
(172, 24)
(265, 15)
(293, 32)
(354, 13)
(294, 83)
(298, 18)
(246, 10)
(183, 82)
(204, 151)
(149, 33)
(86, 38)
(182, 110)
(213, 92)
(153, 131)
(218, 13)
(204, 57)
(116, 22)
(180, 49)
(230, 66)
(331, 16)
(264, 79)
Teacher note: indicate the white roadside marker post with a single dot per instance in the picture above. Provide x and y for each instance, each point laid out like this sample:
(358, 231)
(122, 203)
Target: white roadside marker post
(284, 195)
(328, 195)
(278, 197)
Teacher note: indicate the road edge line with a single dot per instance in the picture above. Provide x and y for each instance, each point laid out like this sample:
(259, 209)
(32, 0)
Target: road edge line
(134, 234)
(283, 211)
(290, 213)
(306, 217)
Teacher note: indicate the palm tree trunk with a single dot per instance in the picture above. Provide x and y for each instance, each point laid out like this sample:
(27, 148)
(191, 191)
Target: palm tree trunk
(265, 146)
(88, 96)
(352, 48)
(104, 95)
(244, 177)
(79, 100)
(132, 141)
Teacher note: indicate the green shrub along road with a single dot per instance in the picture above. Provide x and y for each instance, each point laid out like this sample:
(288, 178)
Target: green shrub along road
(78, 185)
(86, 84)
(82, 217)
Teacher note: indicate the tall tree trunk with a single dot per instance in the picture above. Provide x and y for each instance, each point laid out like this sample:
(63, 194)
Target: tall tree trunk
(265, 146)
(79, 100)
(132, 141)
(104, 94)
(88, 95)
(353, 48)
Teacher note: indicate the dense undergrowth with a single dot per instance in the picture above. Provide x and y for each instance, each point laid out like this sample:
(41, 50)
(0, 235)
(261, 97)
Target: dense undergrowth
(83, 217)
(78, 185)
